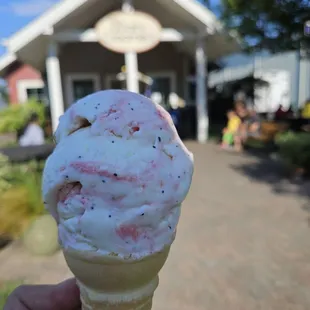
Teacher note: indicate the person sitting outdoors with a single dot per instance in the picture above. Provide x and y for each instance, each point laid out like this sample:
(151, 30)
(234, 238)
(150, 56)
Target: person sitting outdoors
(33, 133)
(282, 113)
(231, 129)
(250, 125)
(305, 113)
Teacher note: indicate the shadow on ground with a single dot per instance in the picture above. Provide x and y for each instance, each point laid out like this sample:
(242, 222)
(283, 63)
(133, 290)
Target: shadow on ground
(272, 171)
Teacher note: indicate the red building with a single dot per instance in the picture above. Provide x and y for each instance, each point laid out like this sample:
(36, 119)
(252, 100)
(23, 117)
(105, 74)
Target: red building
(23, 81)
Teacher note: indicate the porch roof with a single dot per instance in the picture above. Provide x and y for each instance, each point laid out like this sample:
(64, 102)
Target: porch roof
(30, 43)
(5, 61)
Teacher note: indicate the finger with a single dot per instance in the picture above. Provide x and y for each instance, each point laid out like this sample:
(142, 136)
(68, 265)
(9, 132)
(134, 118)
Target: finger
(14, 304)
(64, 296)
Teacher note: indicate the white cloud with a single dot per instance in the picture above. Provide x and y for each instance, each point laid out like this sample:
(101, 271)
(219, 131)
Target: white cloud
(29, 7)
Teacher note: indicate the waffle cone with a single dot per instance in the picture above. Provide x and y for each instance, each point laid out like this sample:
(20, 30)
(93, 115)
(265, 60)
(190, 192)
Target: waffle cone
(113, 283)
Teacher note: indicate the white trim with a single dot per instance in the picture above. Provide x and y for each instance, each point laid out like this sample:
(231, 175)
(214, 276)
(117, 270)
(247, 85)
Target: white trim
(70, 77)
(55, 91)
(90, 35)
(45, 24)
(201, 93)
(23, 85)
(173, 35)
(201, 13)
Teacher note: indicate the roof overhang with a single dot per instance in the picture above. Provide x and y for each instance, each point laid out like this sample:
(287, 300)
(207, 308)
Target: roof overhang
(6, 61)
(30, 43)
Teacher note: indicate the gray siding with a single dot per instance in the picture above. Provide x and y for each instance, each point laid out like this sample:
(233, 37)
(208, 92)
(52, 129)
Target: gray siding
(304, 86)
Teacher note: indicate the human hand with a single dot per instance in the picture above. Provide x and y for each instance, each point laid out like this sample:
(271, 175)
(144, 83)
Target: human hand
(63, 296)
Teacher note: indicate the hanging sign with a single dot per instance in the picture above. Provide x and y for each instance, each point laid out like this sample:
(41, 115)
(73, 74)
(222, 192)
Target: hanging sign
(124, 32)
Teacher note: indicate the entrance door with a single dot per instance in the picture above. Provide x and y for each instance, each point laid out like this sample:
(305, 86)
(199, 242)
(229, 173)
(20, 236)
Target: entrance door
(81, 85)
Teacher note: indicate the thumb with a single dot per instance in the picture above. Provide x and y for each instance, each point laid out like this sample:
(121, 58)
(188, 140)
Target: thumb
(65, 296)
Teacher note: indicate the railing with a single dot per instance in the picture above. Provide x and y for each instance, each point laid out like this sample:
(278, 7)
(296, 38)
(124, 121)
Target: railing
(26, 153)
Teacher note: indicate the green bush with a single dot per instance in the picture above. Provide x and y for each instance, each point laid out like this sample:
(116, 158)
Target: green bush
(16, 116)
(21, 202)
(294, 148)
(6, 173)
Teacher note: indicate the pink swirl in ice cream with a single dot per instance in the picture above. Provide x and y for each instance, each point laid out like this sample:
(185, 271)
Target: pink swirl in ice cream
(118, 175)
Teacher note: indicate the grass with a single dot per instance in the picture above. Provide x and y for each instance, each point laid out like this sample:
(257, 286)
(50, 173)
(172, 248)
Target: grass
(6, 289)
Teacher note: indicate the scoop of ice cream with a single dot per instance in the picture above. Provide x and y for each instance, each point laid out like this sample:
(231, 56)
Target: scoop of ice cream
(118, 175)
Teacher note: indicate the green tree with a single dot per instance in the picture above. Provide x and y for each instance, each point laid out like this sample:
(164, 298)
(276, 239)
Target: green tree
(275, 25)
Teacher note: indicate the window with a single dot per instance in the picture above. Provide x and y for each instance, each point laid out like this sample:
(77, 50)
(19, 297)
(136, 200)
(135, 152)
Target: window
(31, 89)
(82, 88)
(37, 94)
(81, 85)
(163, 82)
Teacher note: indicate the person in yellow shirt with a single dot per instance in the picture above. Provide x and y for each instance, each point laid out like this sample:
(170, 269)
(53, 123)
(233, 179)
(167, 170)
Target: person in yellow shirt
(305, 113)
(231, 129)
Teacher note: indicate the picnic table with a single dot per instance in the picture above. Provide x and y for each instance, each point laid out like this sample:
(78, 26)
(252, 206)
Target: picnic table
(269, 130)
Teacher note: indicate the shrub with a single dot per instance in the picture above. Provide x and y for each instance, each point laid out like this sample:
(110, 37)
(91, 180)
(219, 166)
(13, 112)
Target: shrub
(20, 198)
(15, 117)
(6, 173)
(294, 148)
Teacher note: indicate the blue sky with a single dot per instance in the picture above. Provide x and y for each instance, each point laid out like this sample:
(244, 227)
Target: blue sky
(14, 14)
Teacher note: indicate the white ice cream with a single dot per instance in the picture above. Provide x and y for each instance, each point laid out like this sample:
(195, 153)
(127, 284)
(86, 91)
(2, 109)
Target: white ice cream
(118, 175)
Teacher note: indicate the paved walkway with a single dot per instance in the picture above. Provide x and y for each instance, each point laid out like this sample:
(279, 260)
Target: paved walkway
(243, 242)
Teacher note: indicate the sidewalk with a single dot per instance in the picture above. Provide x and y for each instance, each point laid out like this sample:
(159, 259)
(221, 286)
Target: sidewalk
(242, 244)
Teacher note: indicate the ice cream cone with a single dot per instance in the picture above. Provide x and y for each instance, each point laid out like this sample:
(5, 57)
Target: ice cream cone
(113, 283)
(115, 183)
